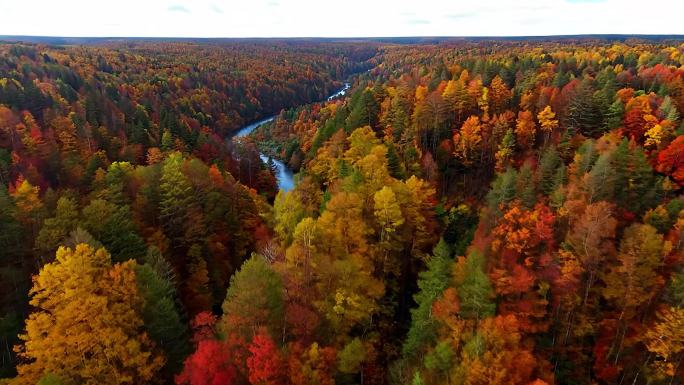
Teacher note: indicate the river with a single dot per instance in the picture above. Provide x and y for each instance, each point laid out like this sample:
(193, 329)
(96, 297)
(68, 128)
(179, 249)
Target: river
(284, 175)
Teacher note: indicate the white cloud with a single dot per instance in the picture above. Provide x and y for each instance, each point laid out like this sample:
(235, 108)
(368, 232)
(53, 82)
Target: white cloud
(325, 18)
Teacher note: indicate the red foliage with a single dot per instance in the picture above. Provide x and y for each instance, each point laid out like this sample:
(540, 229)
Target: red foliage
(265, 365)
(208, 365)
(671, 160)
(203, 327)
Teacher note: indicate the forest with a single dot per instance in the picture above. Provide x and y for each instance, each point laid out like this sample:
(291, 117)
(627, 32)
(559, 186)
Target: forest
(470, 212)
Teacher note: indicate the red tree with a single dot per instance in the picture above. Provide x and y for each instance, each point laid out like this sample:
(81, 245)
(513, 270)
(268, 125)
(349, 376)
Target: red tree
(209, 365)
(671, 160)
(265, 365)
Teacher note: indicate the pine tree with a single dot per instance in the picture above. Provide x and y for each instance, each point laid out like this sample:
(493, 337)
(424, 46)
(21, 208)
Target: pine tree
(56, 229)
(177, 196)
(254, 299)
(162, 317)
(584, 113)
(431, 283)
(503, 189)
(525, 186)
(599, 184)
(475, 291)
(546, 171)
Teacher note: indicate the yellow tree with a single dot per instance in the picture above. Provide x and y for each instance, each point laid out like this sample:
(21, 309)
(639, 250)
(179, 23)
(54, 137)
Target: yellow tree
(288, 211)
(87, 327)
(389, 216)
(500, 94)
(635, 280)
(547, 122)
(525, 129)
(665, 339)
(345, 272)
(387, 211)
(467, 140)
(27, 199)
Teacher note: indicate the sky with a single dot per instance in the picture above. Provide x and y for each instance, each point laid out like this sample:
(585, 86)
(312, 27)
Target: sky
(339, 18)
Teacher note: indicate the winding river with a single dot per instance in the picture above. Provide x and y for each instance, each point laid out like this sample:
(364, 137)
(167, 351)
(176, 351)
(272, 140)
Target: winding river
(284, 174)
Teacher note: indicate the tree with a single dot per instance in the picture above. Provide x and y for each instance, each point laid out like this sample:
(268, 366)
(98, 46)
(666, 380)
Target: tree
(525, 129)
(311, 365)
(10, 228)
(27, 201)
(665, 339)
(505, 151)
(266, 366)
(112, 225)
(467, 140)
(387, 213)
(177, 196)
(499, 96)
(547, 122)
(548, 166)
(288, 210)
(431, 283)
(583, 114)
(474, 288)
(671, 162)
(210, 364)
(161, 315)
(614, 115)
(56, 229)
(85, 307)
(590, 239)
(197, 293)
(254, 300)
(351, 357)
(635, 280)
(440, 359)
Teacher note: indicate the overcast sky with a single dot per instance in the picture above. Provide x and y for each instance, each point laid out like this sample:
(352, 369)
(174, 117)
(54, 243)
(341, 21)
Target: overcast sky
(339, 18)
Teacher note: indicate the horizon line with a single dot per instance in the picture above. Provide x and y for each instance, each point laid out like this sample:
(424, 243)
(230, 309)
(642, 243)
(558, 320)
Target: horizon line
(672, 35)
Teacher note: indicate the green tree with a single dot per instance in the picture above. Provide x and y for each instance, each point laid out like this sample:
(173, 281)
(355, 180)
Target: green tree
(162, 317)
(350, 358)
(431, 283)
(177, 197)
(550, 161)
(57, 228)
(475, 290)
(113, 226)
(254, 299)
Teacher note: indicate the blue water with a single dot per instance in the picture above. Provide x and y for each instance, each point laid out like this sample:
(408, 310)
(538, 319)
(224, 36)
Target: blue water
(284, 175)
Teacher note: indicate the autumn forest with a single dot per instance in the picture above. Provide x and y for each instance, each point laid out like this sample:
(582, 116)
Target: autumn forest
(467, 212)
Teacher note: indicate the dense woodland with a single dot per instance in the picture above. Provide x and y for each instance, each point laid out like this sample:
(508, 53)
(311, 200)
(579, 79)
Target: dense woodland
(472, 212)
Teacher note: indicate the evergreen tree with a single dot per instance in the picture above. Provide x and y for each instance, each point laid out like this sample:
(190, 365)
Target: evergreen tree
(113, 226)
(254, 299)
(600, 180)
(177, 196)
(475, 291)
(503, 189)
(431, 283)
(525, 187)
(162, 317)
(584, 114)
(546, 171)
(614, 115)
(57, 228)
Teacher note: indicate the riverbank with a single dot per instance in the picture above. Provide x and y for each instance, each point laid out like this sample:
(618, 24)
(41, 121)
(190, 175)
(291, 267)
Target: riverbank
(284, 175)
